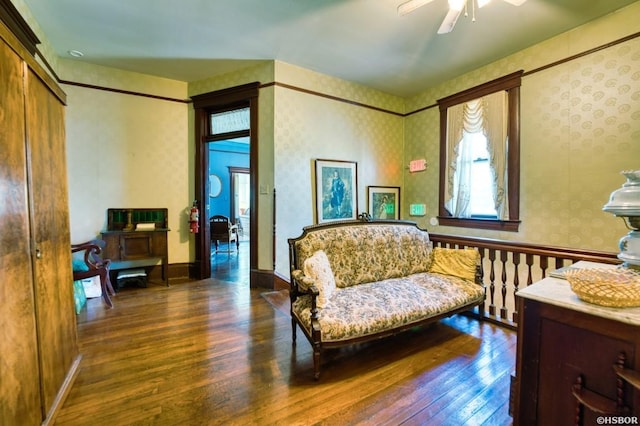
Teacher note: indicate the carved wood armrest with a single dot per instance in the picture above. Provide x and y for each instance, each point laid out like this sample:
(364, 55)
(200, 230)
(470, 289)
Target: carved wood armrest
(91, 254)
(301, 284)
(96, 265)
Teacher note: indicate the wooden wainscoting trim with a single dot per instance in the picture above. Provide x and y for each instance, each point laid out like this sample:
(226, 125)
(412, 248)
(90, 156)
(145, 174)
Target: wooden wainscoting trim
(280, 282)
(263, 278)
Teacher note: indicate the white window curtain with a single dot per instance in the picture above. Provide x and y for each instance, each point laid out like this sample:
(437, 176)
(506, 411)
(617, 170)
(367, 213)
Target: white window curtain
(495, 125)
(489, 116)
(454, 197)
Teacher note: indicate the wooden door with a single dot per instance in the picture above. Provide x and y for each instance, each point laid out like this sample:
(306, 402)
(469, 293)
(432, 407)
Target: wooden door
(53, 282)
(19, 370)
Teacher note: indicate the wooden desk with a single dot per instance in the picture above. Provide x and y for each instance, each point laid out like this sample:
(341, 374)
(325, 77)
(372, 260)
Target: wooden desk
(129, 248)
(135, 249)
(561, 338)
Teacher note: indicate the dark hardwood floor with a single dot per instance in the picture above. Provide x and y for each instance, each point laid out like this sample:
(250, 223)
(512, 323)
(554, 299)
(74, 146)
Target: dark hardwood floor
(215, 352)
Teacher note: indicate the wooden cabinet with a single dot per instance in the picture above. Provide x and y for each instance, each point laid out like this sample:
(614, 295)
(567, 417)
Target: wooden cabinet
(561, 341)
(38, 344)
(130, 247)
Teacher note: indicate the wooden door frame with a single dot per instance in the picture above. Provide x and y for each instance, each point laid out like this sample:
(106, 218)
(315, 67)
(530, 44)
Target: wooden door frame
(240, 96)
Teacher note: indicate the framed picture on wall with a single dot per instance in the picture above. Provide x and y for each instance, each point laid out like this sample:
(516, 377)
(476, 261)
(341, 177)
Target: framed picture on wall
(336, 190)
(384, 202)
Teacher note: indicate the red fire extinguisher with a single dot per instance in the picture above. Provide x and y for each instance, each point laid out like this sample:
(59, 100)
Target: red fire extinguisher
(194, 219)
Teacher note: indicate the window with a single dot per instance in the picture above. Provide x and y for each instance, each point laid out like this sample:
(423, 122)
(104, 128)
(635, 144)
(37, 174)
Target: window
(230, 121)
(480, 156)
(482, 191)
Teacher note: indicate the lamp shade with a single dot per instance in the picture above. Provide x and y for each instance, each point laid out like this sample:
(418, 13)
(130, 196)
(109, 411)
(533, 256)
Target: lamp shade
(626, 200)
(625, 203)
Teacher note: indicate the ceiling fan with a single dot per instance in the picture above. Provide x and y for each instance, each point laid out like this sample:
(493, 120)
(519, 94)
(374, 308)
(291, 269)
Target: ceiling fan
(455, 10)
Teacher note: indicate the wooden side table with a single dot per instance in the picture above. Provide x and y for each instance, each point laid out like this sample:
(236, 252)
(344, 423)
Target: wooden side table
(568, 348)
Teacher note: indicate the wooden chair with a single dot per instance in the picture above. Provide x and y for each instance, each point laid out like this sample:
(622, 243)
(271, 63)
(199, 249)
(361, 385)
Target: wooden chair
(94, 265)
(223, 231)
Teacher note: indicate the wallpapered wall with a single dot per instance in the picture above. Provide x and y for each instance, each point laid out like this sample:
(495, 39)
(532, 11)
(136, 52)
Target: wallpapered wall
(141, 149)
(123, 150)
(309, 127)
(126, 151)
(296, 127)
(262, 73)
(580, 127)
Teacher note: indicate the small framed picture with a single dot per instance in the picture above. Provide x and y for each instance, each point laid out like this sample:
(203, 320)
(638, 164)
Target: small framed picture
(336, 190)
(384, 202)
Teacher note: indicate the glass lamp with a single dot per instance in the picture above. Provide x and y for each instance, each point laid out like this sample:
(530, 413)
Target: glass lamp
(625, 203)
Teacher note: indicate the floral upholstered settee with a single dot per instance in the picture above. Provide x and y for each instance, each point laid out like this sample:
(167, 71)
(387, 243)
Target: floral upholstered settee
(353, 281)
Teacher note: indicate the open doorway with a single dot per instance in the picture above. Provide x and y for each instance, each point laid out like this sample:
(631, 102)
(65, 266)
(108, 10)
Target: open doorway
(229, 203)
(222, 117)
(230, 258)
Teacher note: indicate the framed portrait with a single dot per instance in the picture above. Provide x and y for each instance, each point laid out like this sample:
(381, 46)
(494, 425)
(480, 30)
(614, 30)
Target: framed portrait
(384, 202)
(336, 190)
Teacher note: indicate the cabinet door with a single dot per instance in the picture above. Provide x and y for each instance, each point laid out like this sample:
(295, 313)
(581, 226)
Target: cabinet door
(568, 351)
(19, 382)
(53, 279)
(137, 245)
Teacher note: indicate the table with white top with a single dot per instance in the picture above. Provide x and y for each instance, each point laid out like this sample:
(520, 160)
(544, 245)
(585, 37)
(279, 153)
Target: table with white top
(575, 360)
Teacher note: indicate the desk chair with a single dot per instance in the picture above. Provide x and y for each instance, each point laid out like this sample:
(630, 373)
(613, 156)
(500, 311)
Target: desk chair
(93, 265)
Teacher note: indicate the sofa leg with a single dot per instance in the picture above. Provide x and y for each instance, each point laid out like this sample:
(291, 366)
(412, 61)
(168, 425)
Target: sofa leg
(316, 363)
(293, 331)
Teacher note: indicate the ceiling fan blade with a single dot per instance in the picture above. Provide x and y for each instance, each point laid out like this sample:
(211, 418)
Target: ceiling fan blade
(516, 2)
(411, 5)
(449, 21)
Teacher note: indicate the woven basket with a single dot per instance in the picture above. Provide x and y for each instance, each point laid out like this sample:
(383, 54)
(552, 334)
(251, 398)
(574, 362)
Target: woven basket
(618, 287)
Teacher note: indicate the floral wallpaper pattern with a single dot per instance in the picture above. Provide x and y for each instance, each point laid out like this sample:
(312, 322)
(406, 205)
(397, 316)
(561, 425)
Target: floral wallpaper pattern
(580, 128)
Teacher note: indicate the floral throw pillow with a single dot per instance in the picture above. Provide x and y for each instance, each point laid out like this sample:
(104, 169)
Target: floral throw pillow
(317, 267)
(457, 262)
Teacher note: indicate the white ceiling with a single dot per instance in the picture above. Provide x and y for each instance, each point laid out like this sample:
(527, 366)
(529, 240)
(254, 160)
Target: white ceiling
(364, 41)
